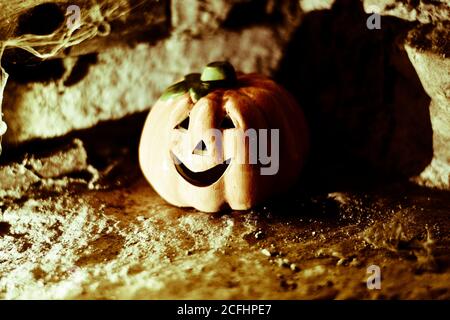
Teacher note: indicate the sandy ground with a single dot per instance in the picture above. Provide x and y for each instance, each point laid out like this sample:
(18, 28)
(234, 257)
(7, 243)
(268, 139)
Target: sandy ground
(127, 243)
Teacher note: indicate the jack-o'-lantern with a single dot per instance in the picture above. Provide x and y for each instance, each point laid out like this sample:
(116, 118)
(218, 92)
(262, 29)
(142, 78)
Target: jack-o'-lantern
(206, 141)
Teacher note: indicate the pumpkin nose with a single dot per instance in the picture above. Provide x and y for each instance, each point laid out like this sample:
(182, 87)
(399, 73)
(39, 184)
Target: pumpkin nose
(200, 148)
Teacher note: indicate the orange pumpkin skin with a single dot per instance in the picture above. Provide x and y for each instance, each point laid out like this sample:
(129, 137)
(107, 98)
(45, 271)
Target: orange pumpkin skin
(256, 103)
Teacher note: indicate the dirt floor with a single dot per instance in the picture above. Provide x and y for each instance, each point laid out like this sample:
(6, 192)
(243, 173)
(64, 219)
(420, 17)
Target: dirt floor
(125, 242)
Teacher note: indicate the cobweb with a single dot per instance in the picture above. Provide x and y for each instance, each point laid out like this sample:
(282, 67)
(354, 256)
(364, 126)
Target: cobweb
(93, 20)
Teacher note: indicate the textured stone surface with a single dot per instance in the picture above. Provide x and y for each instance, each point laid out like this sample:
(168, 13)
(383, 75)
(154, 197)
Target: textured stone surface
(199, 17)
(422, 11)
(432, 63)
(125, 80)
(312, 5)
(371, 103)
(398, 139)
(70, 159)
(364, 102)
(17, 178)
(129, 244)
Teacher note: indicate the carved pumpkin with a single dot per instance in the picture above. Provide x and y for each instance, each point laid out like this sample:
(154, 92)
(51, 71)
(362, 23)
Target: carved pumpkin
(190, 167)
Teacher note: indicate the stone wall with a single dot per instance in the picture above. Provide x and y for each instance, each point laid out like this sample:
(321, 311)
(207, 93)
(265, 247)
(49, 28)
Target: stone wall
(428, 48)
(51, 98)
(377, 99)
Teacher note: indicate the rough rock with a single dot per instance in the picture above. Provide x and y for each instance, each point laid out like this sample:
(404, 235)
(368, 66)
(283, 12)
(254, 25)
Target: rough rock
(71, 158)
(364, 102)
(200, 18)
(312, 5)
(422, 11)
(197, 17)
(124, 80)
(431, 60)
(16, 178)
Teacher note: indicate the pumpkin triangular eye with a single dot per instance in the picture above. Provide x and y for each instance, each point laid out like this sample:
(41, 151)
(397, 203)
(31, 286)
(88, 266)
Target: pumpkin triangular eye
(227, 123)
(184, 124)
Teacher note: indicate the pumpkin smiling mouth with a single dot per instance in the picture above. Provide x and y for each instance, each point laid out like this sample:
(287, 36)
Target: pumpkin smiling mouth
(201, 178)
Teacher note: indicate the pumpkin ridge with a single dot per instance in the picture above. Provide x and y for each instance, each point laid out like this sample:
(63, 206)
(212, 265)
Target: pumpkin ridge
(287, 125)
(250, 103)
(282, 94)
(269, 122)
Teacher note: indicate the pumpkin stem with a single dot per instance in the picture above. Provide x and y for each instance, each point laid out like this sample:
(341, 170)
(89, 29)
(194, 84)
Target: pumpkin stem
(219, 74)
(219, 71)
